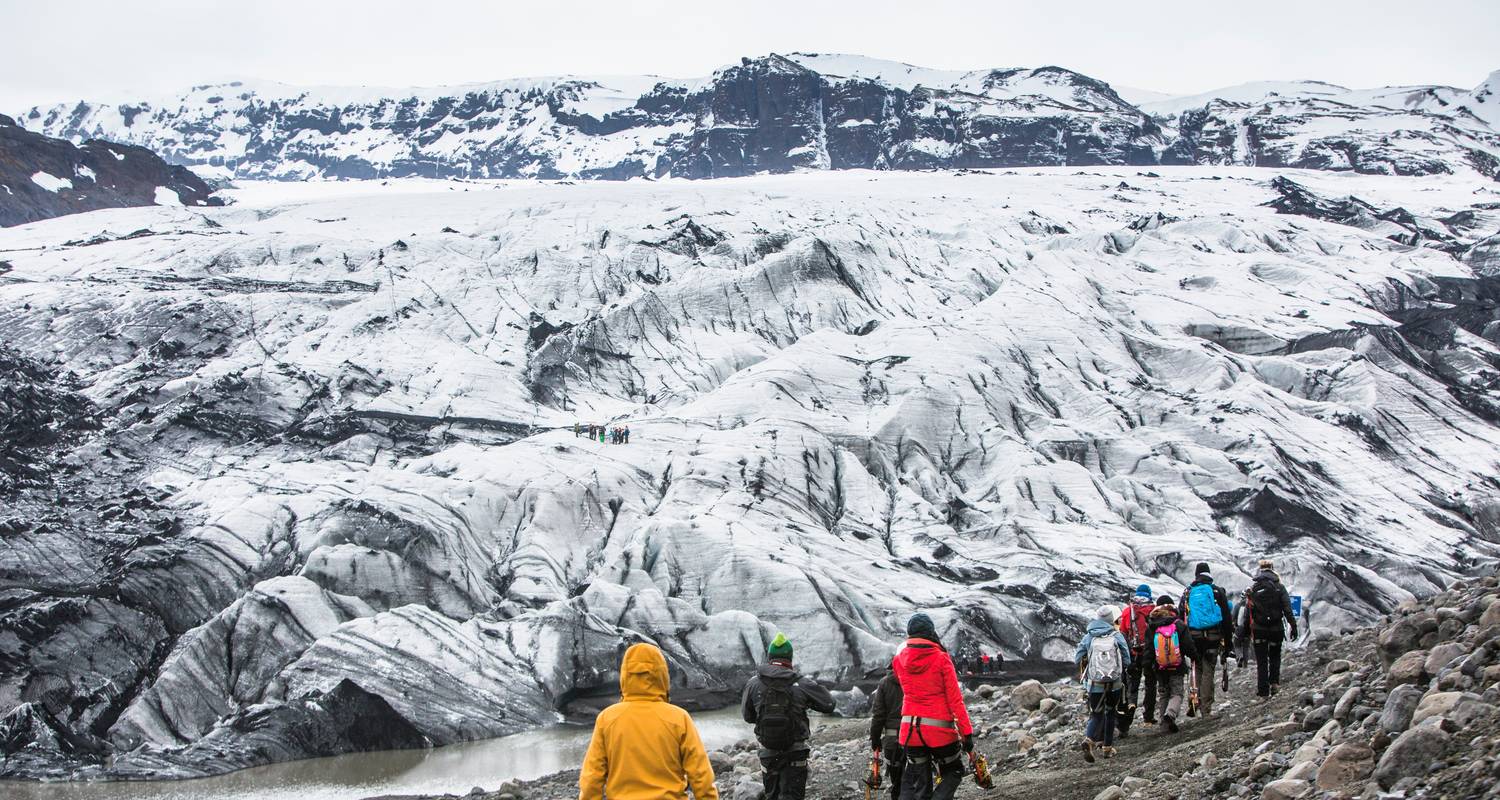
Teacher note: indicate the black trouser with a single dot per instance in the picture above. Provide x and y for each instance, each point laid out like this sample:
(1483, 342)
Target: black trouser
(1267, 663)
(785, 775)
(1133, 679)
(895, 767)
(918, 779)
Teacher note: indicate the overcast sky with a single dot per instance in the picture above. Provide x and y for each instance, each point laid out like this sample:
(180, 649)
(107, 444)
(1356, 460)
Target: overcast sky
(58, 50)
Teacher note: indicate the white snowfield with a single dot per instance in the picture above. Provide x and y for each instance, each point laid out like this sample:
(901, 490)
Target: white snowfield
(1002, 398)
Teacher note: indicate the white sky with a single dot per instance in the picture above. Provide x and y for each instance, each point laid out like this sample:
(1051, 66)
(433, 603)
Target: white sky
(60, 50)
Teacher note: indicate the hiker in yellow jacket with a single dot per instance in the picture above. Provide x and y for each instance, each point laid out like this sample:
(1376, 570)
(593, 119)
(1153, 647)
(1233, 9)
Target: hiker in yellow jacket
(645, 748)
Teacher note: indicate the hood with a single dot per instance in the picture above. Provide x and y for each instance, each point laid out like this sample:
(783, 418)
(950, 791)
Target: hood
(774, 671)
(1163, 612)
(1208, 579)
(643, 674)
(1145, 603)
(920, 655)
(1099, 627)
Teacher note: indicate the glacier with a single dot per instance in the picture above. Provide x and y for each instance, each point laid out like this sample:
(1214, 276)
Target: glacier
(300, 468)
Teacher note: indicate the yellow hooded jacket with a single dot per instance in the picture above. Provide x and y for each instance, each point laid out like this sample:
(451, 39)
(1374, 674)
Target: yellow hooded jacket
(645, 748)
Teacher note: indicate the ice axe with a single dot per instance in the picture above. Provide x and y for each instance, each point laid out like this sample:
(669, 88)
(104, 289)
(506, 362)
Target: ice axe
(981, 768)
(872, 781)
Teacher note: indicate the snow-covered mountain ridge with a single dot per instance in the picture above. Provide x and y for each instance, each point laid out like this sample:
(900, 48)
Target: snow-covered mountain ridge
(300, 473)
(786, 113)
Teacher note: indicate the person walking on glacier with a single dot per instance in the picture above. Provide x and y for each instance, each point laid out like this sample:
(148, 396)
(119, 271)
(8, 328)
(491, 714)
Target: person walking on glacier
(776, 702)
(1102, 658)
(1136, 628)
(1269, 606)
(935, 724)
(643, 747)
(885, 732)
(1205, 608)
(1171, 649)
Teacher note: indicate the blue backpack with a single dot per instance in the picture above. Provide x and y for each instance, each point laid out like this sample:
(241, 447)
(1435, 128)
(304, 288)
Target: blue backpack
(1203, 608)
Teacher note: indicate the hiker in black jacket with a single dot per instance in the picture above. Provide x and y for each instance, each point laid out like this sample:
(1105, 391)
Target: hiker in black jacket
(1270, 606)
(776, 702)
(1205, 609)
(885, 732)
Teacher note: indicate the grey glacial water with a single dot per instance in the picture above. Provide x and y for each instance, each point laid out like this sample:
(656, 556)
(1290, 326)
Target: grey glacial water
(454, 769)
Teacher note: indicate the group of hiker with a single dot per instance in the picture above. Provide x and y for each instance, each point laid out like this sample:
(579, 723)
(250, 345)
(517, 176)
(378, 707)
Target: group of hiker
(1165, 646)
(618, 434)
(644, 748)
(982, 664)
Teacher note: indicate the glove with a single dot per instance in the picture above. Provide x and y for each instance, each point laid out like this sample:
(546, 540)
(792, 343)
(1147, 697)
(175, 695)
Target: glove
(968, 743)
(1294, 632)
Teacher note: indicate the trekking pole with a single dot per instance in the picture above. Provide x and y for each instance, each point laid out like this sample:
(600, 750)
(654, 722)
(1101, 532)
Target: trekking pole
(1224, 677)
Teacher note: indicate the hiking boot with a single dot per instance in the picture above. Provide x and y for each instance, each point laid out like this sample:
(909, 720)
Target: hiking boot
(1150, 719)
(1107, 751)
(1275, 687)
(1088, 749)
(1122, 734)
(1169, 724)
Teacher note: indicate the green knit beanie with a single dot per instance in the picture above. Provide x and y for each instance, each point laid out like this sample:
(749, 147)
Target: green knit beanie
(781, 647)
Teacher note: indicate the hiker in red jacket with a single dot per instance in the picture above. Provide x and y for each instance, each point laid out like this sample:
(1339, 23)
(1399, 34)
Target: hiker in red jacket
(934, 723)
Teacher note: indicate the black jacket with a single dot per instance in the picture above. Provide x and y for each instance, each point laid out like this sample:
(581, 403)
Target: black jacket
(806, 694)
(1260, 618)
(1165, 615)
(1226, 620)
(885, 712)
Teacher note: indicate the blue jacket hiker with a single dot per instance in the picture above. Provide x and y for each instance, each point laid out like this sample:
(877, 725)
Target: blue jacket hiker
(1103, 656)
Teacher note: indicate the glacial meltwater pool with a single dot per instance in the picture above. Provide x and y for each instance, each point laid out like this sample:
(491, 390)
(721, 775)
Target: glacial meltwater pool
(445, 770)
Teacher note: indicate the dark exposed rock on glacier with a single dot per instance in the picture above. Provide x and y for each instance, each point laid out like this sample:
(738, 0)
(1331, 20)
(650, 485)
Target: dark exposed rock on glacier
(43, 177)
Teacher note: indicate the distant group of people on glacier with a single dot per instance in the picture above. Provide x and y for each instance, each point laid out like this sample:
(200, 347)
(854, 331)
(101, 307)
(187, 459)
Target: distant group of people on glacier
(1163, 645)
(644, 748)
(618, 434)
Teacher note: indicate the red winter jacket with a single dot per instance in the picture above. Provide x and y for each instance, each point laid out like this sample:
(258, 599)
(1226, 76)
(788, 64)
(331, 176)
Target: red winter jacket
(930, 689)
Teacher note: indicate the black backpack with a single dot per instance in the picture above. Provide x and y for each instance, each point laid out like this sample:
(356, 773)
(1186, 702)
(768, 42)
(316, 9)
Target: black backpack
(1265, 605)
(774, 728)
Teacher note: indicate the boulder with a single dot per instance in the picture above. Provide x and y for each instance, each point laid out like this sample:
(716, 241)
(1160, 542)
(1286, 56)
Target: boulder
(1110, 793)
(1463, 708)
(1307, 754)
(1305, 771)
(1411, 754)
(1208, 761)
(1286, 789)
(985, 690)
(1410, 668)
(1134, 783)
(749, 787)
(1397, 640)
(1400, 705)
(1316, 718)
(1283, 729)
(1344, 708)
(1491, 615)
(1348, 765)
(1028, 695)
(1338, 665)
(1048, 706)
(1443, 655)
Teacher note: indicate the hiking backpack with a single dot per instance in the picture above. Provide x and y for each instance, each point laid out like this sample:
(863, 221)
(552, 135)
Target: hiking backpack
(1168, 649)
(1203, 612)
(1137, 629)
(1104, 663)
(773, 725)
(1265, 605)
